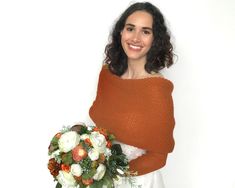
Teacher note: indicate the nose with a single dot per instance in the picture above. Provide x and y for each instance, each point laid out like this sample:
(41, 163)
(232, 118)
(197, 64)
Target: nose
(136, 36)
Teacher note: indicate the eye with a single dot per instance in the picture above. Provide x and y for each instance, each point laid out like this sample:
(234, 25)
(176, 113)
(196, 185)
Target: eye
(129, 29)
(146, 32)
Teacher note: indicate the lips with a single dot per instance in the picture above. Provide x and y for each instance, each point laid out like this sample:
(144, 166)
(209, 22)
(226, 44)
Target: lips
(135, 47)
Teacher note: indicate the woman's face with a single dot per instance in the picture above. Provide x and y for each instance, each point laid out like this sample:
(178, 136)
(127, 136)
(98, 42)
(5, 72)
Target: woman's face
(137, 36)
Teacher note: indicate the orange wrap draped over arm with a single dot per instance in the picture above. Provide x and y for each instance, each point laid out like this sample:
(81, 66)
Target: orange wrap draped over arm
(139, 112)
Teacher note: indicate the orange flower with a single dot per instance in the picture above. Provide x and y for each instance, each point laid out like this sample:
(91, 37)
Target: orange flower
(101, 131)
(96, 129)
(87, 181)
(78, 178)
(58, 135)
(104, 132)
(109, 144)
(88, 141)
(54, 167)
(79, 153)
(101, 158)
(65, 168)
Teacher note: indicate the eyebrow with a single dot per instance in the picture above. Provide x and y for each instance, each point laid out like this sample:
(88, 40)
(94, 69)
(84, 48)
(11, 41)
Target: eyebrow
(132, 25)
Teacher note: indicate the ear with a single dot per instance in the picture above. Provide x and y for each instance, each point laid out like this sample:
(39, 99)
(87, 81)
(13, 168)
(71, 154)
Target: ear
(121, 32)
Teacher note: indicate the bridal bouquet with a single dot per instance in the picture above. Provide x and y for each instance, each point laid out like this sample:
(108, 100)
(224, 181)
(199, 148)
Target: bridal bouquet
(82, 156)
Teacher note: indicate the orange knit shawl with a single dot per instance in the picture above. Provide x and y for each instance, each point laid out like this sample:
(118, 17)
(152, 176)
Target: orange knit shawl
(139, 112)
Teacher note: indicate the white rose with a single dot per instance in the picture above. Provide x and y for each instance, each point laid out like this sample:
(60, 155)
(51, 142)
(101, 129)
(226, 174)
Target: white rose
(120, 171)
(93, 154)
(76, 186)
(107, 152)
(90, 127)
(76, 170)
(98, 141)
(68, 141)
(100, 171)
(84, 136)
(66, 179)
(55, 154)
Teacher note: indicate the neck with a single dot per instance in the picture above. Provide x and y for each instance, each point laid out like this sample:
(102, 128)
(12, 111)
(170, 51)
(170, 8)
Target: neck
(135, 70)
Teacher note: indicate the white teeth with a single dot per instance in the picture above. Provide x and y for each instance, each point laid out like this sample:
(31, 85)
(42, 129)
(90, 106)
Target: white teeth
(135, 47)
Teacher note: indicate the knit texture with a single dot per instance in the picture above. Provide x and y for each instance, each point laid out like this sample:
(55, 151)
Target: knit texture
(139, 112)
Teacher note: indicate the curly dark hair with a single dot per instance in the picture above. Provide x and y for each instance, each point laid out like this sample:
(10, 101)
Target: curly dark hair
(160, 54)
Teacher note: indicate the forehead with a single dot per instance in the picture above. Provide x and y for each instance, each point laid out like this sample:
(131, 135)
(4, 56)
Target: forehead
(140, 18)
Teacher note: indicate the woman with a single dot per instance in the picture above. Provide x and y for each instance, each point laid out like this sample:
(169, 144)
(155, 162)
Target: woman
(133, 99)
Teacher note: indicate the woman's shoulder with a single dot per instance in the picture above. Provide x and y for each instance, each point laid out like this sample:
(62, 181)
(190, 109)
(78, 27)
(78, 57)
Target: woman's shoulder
(156, 74)
(104, 69)
(105, 66)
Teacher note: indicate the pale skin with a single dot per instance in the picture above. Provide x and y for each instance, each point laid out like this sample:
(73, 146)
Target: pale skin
(136, 38)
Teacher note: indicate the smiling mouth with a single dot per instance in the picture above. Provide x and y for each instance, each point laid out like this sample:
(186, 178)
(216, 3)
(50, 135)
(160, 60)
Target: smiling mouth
(134, 47)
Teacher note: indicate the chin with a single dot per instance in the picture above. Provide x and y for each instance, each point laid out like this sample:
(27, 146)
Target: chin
(135, 58)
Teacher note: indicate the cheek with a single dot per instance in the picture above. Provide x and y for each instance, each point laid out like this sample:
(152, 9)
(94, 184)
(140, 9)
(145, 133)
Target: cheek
(122, 41)
(124, 36)
(149, 42)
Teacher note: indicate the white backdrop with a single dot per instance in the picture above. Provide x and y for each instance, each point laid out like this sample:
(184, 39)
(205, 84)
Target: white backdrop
(51, 52)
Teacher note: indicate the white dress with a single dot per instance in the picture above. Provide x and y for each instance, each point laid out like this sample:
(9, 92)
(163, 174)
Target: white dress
(150, 180)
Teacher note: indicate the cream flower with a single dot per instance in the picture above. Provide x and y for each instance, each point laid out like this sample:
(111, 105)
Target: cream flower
(107, 152)
(66, 179)
(84, 136)
(68, 141)
(93, 154)
(100, 171)
(55, 154)
(120, 171)
(76, 170)
(98, 141)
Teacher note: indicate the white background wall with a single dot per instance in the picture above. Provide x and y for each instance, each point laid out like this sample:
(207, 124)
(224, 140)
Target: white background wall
(50, 57)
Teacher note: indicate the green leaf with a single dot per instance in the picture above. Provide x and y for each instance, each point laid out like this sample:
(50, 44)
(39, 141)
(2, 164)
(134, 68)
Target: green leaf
(81, 185)
(52, 148)
(106, 180)
(85, 146)
(116, 149)
(86, 164)
(111, 137)
(67, 158)
(54, 141)
(121, 160)
(83, 130)
(89, 174)
(58, 185)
